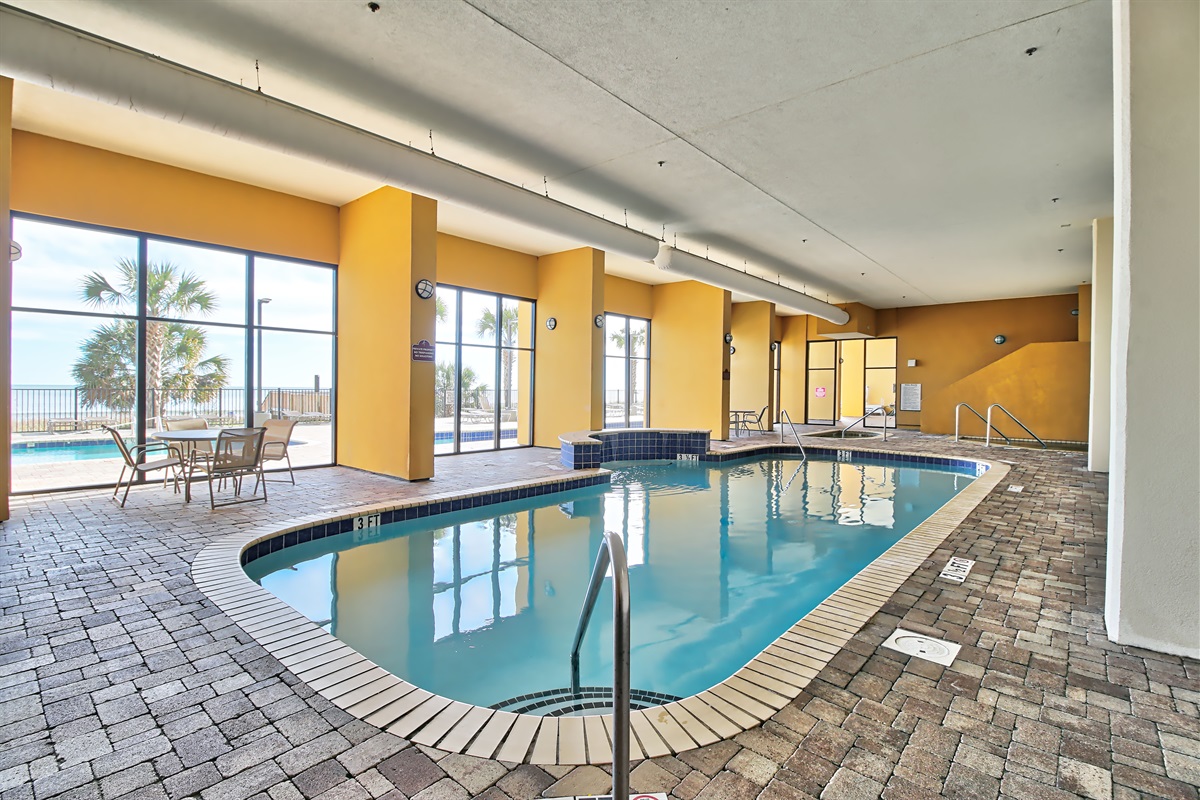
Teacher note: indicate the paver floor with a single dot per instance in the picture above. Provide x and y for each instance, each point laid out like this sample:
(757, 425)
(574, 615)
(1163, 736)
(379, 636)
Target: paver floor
(118, 679)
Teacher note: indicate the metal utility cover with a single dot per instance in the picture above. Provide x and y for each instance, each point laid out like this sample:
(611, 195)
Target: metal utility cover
(922, 646)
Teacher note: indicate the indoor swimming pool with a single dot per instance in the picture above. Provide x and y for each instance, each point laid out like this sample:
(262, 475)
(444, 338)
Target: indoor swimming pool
(481, 605)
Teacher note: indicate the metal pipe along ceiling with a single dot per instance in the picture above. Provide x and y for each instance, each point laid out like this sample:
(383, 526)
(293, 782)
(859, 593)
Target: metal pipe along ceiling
(45, 53)
(702, 269)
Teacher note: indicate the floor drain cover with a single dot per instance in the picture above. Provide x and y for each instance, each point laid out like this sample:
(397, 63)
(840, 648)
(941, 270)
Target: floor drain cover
(921, 646)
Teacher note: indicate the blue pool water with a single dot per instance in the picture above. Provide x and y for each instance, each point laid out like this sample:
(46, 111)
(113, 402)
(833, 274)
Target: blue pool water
(56, 452)
(723, 559)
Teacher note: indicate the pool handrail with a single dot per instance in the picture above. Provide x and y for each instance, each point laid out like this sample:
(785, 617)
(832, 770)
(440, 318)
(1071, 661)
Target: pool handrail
(981, 419)
(782, 415)
(611, 553)
(863, 419)
(988, 439)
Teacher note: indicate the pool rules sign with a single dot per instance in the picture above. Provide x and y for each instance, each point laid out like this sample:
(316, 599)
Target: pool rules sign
(422, 351)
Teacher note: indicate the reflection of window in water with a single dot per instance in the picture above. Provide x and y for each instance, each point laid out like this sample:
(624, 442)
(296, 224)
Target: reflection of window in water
(625, 510)
(306, 587)
(478, 573)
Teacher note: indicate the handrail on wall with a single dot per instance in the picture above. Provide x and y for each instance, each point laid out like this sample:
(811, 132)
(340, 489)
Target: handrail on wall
(782, 415)
(612, 552)
(863, 420)
(987, 439)
(960, 406)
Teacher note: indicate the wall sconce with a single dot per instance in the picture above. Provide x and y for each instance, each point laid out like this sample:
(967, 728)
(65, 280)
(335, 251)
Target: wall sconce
(774, 346)
(732, 349)
(14, 251)
(424, 289)
(1000, 338)
(728, 338)
(551, 323)
(599, 320)
(1074, 312)
(912, 362)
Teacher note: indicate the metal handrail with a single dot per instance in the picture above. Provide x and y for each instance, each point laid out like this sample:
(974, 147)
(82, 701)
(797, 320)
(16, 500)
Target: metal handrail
(863, 420)
(981, 419)
(782, 414)
(612, 552)
(987, 439)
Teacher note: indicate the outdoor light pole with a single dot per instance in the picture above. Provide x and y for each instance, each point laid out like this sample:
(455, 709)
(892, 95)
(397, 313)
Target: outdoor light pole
(258, 350)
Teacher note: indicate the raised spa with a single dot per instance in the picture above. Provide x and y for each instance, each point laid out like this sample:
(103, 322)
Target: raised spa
(481, 605)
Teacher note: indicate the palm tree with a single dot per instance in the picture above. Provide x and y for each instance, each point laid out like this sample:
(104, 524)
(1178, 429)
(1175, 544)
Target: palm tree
(486, 326)
(175, 362)
(637, 341)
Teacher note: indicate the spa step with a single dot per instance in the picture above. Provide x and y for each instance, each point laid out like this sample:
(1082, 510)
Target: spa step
(589, 700)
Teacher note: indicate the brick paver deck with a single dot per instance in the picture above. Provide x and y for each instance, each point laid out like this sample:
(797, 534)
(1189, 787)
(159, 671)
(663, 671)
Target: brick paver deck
(118, 679)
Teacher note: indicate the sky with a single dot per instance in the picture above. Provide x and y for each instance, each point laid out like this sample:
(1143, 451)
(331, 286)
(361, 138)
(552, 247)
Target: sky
(57, 258)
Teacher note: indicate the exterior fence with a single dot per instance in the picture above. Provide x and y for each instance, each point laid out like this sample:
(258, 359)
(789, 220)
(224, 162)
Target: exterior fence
(64, 409)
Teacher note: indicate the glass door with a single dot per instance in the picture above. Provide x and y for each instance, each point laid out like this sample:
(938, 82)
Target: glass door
(822, 383)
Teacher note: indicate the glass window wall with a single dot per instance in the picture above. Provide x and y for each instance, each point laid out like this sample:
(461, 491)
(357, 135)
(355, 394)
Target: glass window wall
(626, 371)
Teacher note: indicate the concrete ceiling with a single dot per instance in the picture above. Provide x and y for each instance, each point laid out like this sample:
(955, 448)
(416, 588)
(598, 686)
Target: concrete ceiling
(888, 153)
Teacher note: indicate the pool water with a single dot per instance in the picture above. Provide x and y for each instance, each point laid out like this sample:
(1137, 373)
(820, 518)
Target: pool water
(722, 560)
(57, 452)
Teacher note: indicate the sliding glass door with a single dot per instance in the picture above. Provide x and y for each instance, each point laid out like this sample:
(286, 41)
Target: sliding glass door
(626, 371)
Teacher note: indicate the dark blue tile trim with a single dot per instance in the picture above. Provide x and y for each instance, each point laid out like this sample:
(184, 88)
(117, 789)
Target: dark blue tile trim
(334, 527)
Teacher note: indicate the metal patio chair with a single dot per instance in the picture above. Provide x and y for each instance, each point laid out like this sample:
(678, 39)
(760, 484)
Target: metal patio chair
(238, 454)
(190, 451)
(275, 443)
(172, 467)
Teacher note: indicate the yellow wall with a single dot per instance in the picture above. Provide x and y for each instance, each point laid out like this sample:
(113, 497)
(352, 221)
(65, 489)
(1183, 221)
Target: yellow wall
(385, 399)
(793, 332)
(750, 367)
(569, 379)
(1085, 313)
(689, 360)
(851, 383)
(1044, 384)
(628, 298)
(84, 184)
(6, 162)
(475, 265)
(954, 340)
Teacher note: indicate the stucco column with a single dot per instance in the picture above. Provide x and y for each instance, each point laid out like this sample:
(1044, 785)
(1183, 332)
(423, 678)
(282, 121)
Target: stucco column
(385, 394)
(6, 96)
(1100, 335)
(1152, 596)
(568, 392)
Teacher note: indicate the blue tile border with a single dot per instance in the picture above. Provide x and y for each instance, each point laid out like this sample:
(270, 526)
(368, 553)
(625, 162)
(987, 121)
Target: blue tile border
(418, 510)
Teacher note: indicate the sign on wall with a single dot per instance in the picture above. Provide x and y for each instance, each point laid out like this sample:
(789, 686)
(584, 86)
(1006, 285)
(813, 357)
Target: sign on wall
(819, 391)
(910, 397)
(422, 351)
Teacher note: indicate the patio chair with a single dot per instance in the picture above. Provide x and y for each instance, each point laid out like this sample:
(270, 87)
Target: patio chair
(757, 421)
(237, 455)
(190, 451)
(275, 443)
(172, 467)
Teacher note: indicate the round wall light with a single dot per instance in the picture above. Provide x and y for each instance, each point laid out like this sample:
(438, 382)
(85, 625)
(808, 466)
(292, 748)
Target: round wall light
(1000, 338)
(732, 349)
(551, 323)
(599, 320)
(774, 346)
(14, 251)
(728, 338)
(424, 289)
(1074, 312)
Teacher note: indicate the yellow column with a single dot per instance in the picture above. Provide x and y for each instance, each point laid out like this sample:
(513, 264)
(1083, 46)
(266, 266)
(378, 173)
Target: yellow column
(750, 367)
(385, 398)
(689, 360)
(793, 372)
(6, 94)
(569, 384)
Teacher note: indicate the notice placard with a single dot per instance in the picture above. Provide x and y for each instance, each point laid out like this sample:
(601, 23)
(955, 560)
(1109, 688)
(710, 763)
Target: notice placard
(910, 397)
(422, 351)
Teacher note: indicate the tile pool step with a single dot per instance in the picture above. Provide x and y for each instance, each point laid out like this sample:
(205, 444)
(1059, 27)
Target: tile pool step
(589, 699)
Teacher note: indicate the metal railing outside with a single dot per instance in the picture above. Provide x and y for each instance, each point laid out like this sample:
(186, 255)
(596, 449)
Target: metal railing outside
(612, 553)
(863, 419)
(988, 439)
(783, 414)
(967, 406)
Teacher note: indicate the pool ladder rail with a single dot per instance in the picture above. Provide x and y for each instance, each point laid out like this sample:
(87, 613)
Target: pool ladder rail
(782, 416)
(987, 440)
(611, 553)
(882, 410)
